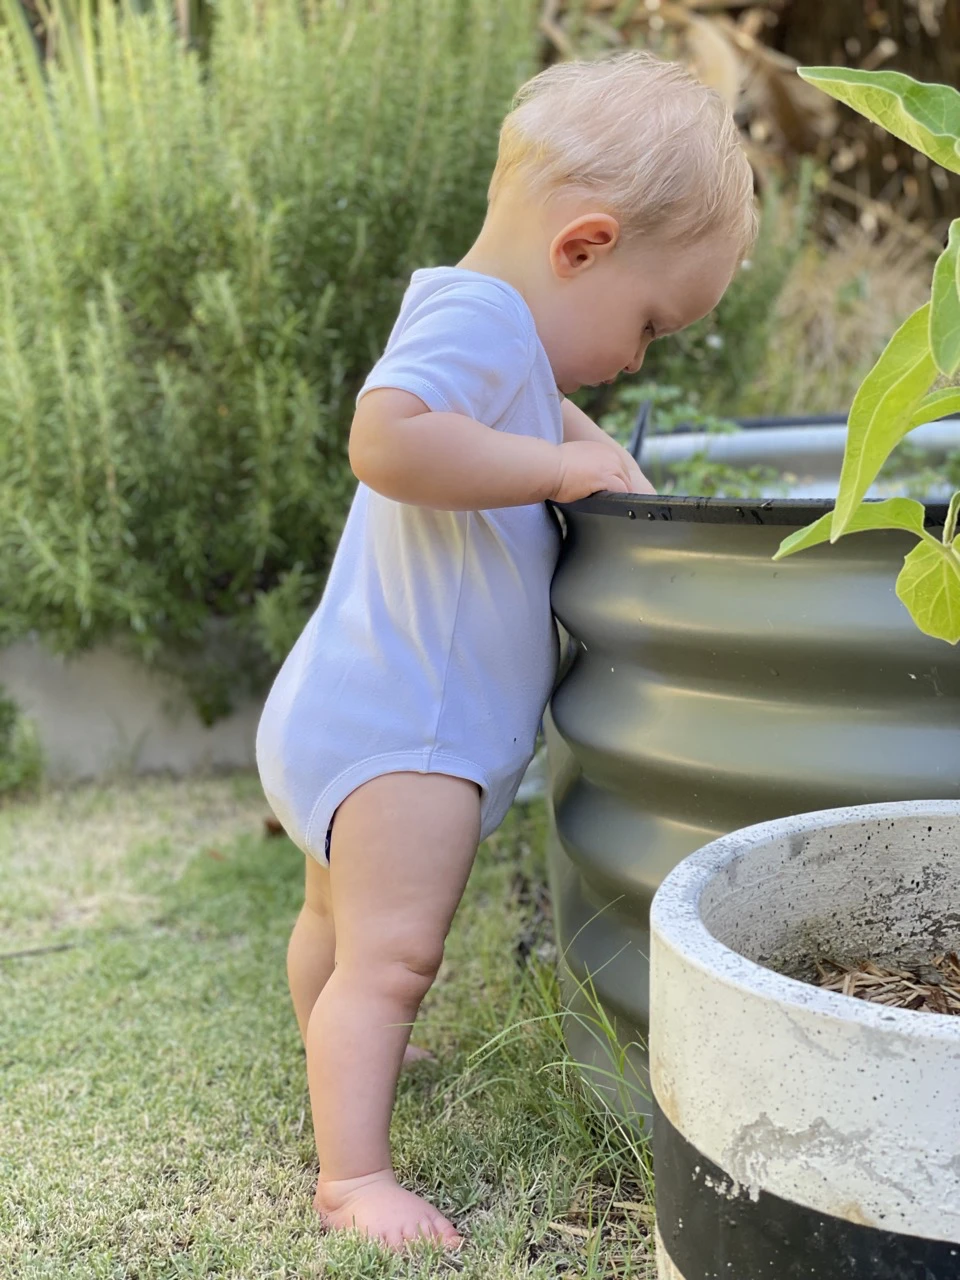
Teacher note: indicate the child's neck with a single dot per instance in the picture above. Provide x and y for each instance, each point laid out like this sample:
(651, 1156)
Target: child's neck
(511, 247)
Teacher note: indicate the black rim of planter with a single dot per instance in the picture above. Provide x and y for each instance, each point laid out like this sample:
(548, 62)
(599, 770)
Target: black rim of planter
(768, 511)
(788, 512)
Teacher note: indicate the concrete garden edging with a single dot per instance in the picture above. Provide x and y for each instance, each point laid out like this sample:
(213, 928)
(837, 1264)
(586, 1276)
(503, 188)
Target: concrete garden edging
(102, 712)
(800, 1132)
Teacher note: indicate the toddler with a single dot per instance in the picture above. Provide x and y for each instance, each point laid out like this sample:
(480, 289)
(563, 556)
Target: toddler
(396, 735)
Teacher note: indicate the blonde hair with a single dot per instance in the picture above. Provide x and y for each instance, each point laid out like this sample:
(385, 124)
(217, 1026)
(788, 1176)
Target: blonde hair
(660, 149)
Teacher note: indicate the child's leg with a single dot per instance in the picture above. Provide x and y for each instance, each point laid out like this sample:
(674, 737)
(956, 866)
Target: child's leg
(311, 949)
(403, 846)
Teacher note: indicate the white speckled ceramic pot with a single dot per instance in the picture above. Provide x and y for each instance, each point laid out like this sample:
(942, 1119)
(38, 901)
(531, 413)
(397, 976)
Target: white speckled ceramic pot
(800, 1132)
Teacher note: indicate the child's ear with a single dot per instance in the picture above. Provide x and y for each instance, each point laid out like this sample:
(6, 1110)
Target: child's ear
(582, 243)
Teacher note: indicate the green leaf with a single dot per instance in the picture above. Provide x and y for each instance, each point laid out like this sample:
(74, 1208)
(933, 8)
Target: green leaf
(893, 513)
(925, 115)
(945, 306)
(929, 585)
(883, 411)
(938, 404)
(950, 525)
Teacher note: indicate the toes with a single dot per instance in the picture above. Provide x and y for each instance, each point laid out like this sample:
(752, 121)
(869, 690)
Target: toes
(393, 1237)
(432, 1228)
(447, 1233)
(413, 1053)
(417, 1232)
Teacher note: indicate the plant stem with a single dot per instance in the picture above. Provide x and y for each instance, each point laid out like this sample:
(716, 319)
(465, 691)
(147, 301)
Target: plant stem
(950, 528)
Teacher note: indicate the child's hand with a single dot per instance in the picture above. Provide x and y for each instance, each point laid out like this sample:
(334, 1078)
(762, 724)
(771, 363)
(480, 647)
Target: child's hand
(588, 466)
(638, 481)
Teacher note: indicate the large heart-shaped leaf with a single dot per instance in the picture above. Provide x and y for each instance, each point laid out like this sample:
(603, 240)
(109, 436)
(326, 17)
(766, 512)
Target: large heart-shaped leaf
(929, 585)
(883, 410)
(945, 306)
(925, 115)
(893, 513)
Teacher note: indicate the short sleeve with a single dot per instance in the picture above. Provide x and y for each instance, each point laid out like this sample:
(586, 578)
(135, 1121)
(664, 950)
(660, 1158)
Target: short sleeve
(465, 348)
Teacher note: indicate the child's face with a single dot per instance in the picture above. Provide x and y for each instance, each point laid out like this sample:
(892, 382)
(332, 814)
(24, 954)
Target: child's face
(605, 315)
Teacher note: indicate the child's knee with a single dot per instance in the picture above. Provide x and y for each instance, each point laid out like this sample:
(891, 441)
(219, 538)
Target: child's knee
(403, 972)
(408, 978)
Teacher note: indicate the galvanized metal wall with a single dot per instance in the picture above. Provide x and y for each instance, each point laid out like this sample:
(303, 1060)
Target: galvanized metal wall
(713, 689)
(808, 456)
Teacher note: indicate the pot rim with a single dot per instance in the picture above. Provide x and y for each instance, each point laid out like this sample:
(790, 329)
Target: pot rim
(676, 922)
(786, 512)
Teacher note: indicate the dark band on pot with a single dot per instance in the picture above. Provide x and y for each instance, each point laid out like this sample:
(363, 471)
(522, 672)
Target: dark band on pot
(715, 1230)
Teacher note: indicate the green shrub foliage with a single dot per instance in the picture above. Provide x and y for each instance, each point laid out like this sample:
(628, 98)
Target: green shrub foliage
(21, 757)
(199, 263)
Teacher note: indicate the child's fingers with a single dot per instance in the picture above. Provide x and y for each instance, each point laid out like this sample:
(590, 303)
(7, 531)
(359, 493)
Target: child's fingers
(639, 482)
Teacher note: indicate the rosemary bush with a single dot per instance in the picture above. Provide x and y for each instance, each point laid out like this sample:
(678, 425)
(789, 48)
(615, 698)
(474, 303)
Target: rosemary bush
(21, 757)
(699, 475)
(199, 264)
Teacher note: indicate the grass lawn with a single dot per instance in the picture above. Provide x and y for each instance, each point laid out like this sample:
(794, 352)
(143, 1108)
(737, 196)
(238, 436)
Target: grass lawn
(154, 1119)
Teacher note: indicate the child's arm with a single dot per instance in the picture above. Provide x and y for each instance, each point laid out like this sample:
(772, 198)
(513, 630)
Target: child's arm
(577, 426)
(450, 462)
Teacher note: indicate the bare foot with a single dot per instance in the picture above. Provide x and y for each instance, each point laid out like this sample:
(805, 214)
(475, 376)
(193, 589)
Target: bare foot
(376, 1205)
(413, 1053)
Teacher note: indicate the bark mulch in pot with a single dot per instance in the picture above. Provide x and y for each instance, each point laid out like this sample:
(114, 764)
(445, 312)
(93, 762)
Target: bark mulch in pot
(928, 988)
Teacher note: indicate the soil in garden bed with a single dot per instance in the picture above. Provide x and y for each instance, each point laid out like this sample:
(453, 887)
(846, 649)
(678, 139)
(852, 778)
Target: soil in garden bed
(932, 987)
